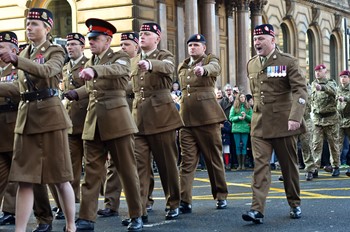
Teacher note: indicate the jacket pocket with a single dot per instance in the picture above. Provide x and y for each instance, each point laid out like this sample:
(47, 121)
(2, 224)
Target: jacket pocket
(112, 104)
(281, 107)
(165, 99)
(205, 96)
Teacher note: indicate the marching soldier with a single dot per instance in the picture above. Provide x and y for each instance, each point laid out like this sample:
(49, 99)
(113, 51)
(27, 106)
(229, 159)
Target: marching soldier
(343, 106)
(325, 118)
(202, 116)
(8, 115)
(156, 117)
(76, 109)
(41, 152)
(280, 94)
(108, 125)
(129, 43)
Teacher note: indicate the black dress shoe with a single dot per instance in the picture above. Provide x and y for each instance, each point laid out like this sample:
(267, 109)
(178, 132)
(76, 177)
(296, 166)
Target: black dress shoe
(295, 212)
(185, 207)
(253, 216)
(7, 218)
(309, 176)
(347, 172)
(82, 224)
(59, 215)
(149, 208)
(172, 214)
(127, 221)
(221, 204)
(135, 224)
(43, 228)
(107, 212)
(336, 171)
(328, 168)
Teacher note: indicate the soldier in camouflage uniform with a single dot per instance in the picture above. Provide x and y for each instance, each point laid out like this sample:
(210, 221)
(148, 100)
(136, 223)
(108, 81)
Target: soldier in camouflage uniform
(325, 118)
(343, 106)
(305, 140)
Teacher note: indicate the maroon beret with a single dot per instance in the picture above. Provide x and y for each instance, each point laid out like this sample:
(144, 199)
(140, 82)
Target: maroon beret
(320, 66)
(344, 73)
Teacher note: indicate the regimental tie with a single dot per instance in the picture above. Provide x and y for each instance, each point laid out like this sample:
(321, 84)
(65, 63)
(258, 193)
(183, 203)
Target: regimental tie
(96, 60)
(32, 51)
(263, 60)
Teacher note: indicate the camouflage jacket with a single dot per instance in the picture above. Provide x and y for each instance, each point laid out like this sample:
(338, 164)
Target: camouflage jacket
(344, 107)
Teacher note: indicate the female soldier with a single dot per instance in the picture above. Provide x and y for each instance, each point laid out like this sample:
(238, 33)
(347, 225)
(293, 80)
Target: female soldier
(41, 152)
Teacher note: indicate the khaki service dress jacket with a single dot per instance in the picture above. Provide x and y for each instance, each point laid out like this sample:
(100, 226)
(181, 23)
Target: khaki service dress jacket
(76, 109)
(46, 118)
(108, 109)
(198, 104)
(154, 110)
(8, 111)
(280, 94)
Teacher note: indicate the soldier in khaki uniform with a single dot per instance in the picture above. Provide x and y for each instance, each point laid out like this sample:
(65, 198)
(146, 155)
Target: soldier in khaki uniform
(41, 150)
(129, 43)
(108, 125)
(325, 118)
(280, 95)
(343, 107)
(76, 109)
(202, 116)
(8, 114)
(156, 117)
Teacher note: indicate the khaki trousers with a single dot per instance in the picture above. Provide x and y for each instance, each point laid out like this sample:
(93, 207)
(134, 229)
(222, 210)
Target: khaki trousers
(122, 153)
(207, 140)
(164, 151)
(286, 152)
(112, 187)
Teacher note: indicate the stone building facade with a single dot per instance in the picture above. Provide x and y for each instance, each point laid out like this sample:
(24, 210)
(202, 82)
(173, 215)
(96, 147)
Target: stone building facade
(315, 31)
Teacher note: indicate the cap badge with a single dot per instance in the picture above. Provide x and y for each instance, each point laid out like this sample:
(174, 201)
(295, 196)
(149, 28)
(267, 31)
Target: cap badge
(266, 28)
(44, 15)
(131, 36)
(198, 37)
(155, 27)
(7, 37)
(76, 36)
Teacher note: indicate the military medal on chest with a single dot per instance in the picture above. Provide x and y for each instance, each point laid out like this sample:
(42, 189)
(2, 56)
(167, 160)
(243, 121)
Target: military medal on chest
(277, 71)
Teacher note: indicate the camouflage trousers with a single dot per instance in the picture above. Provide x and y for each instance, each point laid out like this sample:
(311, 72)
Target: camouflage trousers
(305, 141)
(331, 133)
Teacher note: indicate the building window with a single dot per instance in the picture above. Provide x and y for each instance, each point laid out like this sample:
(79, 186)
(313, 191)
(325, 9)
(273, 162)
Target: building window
(284, 39)
(62, 16)
(333, 57)
(310, 55)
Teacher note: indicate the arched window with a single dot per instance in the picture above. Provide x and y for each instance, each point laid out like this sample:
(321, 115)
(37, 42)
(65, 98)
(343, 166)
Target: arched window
(310, 55)
(333, 57)
(284, 39)
(62, 15)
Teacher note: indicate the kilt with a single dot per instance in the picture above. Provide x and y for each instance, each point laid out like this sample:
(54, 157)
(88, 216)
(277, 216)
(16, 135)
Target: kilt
(42, 158)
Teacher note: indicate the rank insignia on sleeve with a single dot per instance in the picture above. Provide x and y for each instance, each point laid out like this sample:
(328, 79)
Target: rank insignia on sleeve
(302, 101)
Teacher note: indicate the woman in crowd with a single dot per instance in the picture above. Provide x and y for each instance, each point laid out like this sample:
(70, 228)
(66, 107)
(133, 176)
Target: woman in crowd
(41, 150)
(240, 116)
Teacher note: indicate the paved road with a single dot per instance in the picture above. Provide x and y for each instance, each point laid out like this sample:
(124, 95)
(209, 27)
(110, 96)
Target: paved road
(325, 207)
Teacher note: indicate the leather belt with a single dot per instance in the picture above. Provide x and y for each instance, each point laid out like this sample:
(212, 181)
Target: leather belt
(8, 107)
(39, 95)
